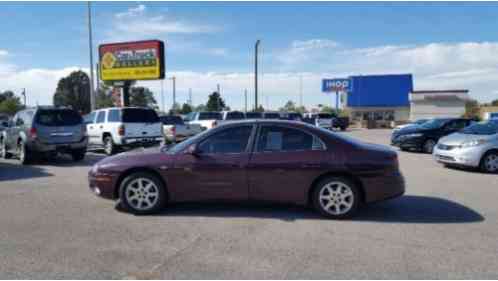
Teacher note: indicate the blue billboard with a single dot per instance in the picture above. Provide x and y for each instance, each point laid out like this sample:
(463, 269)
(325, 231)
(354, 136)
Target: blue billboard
(380, 90)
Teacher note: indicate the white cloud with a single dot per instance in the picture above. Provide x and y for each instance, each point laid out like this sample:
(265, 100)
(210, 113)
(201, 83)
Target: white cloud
(138, 10)
(3, 53)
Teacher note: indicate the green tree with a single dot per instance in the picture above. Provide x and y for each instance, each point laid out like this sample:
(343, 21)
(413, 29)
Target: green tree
(472, 109)
(494, 103)
(74, 91)
(186, 108)
(103, 97)
(215, 102)
(175, 109)
(290, 106)
(200, 107)
(142, 96)
(10, 103)
(260, 108)
(301, 109)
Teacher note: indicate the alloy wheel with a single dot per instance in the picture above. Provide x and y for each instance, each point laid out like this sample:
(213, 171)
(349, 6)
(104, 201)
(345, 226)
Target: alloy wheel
(336, 198)
(142, 194)
(491, 162)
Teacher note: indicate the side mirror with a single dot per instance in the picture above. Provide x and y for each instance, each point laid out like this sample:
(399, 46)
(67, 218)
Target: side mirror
(193, 150)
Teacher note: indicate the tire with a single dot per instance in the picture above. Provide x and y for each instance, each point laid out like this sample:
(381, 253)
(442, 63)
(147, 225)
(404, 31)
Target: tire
(109, 146)
(343, 128)
(429, 146)
(78, 154)
(137, 191)
(489, 162)
(23, 153)
(336, 198)
(3, 150)
(403, 149)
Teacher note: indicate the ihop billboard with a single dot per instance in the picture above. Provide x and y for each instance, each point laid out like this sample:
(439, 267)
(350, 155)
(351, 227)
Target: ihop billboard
(337, 85)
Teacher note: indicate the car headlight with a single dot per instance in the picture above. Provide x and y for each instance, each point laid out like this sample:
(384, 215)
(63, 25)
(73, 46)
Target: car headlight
(413, 135)
(95, 168)
(473, 143)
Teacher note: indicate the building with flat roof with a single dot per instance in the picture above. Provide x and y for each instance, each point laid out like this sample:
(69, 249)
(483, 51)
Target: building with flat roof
(437, 103)
(379, 97)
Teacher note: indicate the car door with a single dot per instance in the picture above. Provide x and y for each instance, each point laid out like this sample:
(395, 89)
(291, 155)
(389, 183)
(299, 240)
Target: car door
(454, 126)
(218, 170)
(15, 130)
(96, 129)
(285, 162)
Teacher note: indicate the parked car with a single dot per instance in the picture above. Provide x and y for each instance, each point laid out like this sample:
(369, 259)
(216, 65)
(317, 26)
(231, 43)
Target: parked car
(424, 137)
(288, 162)
(414, 123)
(475, 146)
(44, 131)
(271, 115)
(228, 116)
(293, 116)
(174, 129)
(254, 115)
(206, 119)
(118, 128)
(327, 121)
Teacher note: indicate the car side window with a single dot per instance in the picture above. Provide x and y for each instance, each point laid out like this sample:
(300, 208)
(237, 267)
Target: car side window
(100, 117)
(231, 140)
(18, 119)
(90, 118)
(114, 115)
(276, 138)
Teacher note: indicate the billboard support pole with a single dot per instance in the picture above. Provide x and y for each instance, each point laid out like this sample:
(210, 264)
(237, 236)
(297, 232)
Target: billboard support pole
(336, 101)
(125, 97)
(90, 46)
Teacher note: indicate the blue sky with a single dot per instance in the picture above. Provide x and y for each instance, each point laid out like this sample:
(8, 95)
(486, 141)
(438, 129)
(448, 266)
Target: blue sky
(445, 45)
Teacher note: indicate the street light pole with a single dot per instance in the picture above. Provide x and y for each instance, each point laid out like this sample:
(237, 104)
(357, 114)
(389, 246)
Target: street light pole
(90, 47)
(162, 96)
(301, 91)
(256, 47)
(245, 98)
(219, 96)
(174, 93)
(24, 95)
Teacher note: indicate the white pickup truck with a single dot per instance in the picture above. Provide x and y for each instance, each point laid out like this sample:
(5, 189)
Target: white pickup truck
(175, 130)
(206, 119)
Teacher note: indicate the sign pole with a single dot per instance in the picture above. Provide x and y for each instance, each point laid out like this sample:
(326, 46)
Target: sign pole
(337, 101)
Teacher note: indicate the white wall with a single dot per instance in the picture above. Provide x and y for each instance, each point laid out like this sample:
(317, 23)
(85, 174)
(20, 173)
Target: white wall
(436, 108)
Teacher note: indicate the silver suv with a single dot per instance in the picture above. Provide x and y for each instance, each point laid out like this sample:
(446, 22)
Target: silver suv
(44, 131)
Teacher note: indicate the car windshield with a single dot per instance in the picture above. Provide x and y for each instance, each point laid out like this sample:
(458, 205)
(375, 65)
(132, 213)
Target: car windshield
(209, 116)
(139, 115)
(184, 144)
(235, 115)
(435, 123)
(171, 120)
(420, 121)
(482, 128)
(58, 117)
(253, 115)
(272, 116)
(324, 116)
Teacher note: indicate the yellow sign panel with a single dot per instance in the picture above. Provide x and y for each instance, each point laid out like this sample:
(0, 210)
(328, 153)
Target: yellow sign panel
(132, 61)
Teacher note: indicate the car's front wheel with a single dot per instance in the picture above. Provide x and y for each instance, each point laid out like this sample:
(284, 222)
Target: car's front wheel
(78, 154)
(489, 163)
(23, 153)
(142, 193)
(336, 197)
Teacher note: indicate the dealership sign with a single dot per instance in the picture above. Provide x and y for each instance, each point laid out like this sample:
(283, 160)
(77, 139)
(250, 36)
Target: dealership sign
(336, 85)
(142, 60)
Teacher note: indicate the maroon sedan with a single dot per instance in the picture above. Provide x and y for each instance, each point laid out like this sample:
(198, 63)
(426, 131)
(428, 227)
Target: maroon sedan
(260, 160)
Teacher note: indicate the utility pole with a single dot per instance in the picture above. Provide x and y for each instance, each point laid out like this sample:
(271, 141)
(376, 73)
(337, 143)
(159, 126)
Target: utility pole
(90, 47)
(162, 96)
(256, 47)
(245, 98)
(190, 96)
(174, 92)
(24, 95)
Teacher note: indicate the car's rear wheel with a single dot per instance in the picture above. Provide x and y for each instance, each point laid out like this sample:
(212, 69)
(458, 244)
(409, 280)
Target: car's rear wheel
(429, 146)
(78, 154)
(489, 162)
(336, 197)
(109, 146)
(3, 150)
(142, 193)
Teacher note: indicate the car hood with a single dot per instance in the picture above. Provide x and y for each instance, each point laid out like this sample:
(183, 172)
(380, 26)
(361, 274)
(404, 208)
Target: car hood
(459, 138)
(411, 130)
(141, 157)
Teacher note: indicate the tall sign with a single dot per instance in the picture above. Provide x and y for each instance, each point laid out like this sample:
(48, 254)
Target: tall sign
(337, 85)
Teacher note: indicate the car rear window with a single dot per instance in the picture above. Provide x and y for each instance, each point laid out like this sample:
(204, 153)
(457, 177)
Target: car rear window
(235, 115)
(58, 117)
(171, 120)
(324, 116)
(209, 116)
(272, 116)
(139, 115)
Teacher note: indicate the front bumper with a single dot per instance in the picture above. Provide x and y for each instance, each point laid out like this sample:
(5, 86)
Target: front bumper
(470, 156)
(102, 184)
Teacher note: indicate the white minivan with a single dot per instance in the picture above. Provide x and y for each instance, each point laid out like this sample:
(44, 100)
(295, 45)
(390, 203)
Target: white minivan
(123, 127)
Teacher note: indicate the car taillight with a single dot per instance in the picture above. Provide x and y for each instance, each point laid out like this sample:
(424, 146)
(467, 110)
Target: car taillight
(33, 133)
(173, 130)
(121, 130)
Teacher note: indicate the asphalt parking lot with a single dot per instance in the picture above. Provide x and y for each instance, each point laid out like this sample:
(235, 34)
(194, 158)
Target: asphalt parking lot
(51, 227)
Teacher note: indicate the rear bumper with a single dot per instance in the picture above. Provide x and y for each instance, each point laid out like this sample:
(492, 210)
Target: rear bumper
(38, 146)
(145, 141)
(383, 187)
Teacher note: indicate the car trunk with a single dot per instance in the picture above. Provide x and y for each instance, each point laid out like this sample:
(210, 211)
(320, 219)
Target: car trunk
(141, 123)
(59, 126)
